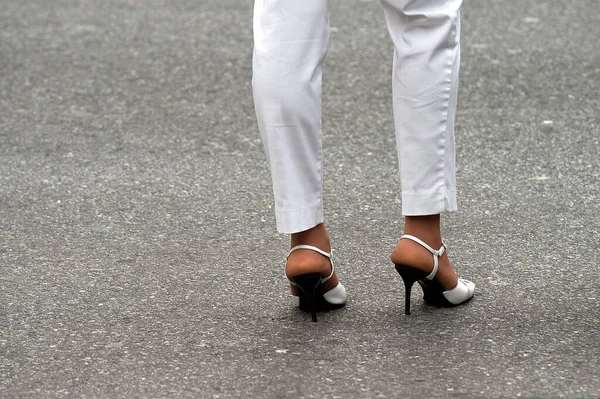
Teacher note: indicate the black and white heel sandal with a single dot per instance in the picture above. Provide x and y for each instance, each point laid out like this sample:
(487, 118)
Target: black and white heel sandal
(311, 296)
(433, 291)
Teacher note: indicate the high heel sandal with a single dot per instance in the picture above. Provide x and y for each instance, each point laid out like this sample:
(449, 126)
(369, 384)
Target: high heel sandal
(311, 296)
(433, 291)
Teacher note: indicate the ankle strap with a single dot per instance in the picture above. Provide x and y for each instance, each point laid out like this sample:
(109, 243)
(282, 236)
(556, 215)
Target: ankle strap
(436, 254)
(320, 251)
(297, 247)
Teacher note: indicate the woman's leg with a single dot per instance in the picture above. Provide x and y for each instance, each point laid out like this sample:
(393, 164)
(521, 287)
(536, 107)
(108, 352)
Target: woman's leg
(425, 34)
(291, 39)
(290, 44)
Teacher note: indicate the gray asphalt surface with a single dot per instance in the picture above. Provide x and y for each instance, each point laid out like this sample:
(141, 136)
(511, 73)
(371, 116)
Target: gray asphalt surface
(138, 252)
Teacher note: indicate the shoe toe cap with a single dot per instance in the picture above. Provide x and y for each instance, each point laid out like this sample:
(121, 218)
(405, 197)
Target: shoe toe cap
(336, 296)
(470, 286)
(461, 293)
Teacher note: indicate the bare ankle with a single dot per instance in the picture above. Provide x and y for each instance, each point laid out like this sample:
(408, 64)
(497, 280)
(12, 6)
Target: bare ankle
(427, 228)
(316, 236)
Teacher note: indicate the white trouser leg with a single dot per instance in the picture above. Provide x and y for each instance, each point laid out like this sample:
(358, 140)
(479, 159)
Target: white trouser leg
(425, 34)
(290, 44)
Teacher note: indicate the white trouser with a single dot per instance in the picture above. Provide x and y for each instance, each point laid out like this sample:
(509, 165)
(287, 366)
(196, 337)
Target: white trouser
(290, 44)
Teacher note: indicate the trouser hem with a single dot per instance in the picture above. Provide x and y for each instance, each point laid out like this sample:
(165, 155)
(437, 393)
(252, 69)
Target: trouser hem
(297, 220)
(421, 204)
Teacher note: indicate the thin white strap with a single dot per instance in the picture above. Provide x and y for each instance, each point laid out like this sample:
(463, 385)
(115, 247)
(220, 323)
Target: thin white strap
(436, 254)
(297, 247)
(326, 254)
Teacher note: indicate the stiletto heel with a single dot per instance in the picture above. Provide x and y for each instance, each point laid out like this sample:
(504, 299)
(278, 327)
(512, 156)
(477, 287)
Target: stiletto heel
(311, 295)
(433, 291)
(409, 275)
(308, 287)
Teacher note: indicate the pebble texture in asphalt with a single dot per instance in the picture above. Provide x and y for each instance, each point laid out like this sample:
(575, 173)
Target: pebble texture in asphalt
(138, 254)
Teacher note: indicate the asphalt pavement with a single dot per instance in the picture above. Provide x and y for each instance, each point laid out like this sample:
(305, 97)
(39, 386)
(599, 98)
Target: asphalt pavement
(138, 251)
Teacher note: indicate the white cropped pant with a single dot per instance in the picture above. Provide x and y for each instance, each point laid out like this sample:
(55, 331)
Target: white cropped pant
(290, 43)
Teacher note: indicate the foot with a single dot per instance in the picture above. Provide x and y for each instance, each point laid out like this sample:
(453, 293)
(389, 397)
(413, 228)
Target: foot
(305, 261)
(412, 254)
(426, 228)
